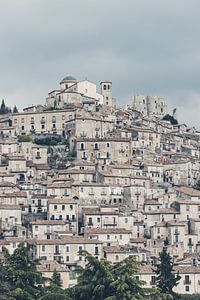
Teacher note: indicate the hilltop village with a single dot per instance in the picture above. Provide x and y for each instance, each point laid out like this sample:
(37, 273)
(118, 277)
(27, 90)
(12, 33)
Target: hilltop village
(81, 172)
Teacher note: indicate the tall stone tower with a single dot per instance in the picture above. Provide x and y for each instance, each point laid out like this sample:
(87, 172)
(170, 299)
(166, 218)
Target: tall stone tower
(106, 91)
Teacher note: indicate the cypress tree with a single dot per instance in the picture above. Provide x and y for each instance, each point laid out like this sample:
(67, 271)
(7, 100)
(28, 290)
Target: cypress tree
(15, 110)
(166, 278)
(3, 107)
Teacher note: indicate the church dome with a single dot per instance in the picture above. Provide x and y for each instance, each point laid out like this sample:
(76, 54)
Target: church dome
(69, 78)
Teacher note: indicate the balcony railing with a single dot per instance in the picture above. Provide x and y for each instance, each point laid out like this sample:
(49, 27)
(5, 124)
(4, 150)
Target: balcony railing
(110, 223)
(90, 224)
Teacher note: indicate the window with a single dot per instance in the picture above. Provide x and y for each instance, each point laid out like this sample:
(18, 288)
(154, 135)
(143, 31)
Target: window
(54, 125)
(120, 236)
(63, 207)
(36, 228)
(67, 248)
(55, 207)
(22, 120)
(187, 279)
(96, 250)
(104, 86)
(108, 237)
(108, 145)
(43, 126)
(43, 248)
(153, 280)
(80, 249)
(96, 146)
(71, 207)
(98, 220)
(187, 288)
(67, 258)
(187, 208)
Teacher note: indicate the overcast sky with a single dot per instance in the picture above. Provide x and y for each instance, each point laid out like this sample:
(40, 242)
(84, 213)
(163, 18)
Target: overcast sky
(143, 46)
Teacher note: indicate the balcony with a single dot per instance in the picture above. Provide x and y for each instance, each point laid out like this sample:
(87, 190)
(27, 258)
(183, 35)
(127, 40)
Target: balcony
(57, 252)
(91, 193)
(47, 232)
(90, 224)
(176, 232)
(103, 193)
(72, 220)
(110, 223)
(190, 244)
(187, 282)
(58, 258)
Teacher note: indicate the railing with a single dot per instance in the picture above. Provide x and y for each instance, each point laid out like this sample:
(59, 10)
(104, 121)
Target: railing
(110, 224)
(90, 224)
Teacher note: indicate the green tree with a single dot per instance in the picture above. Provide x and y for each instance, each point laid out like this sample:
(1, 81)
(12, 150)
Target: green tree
(5, 289)
(94, 280)
(103, 280)
(24, 138)
(125, 284)
(15, 110)
(171, 119)
(21, 273)
(54, 290)
(3, 107)
(56, 280)
(166, 277)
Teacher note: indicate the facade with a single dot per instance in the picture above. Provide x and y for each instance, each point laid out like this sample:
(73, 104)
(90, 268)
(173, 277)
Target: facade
(118, 181)
(150, 106)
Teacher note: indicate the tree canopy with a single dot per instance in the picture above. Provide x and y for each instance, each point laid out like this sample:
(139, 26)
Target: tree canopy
(100, 279)
(21, 273)
(15, 110)
(3, 108)
(167, 279)
(171, 119)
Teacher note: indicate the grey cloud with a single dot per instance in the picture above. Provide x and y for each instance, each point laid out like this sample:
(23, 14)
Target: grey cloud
(148, 47)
